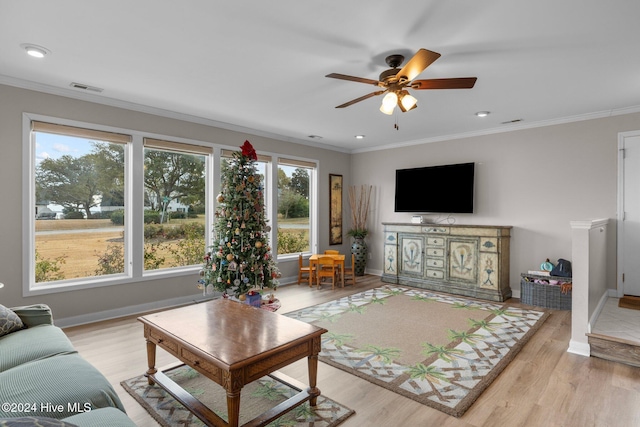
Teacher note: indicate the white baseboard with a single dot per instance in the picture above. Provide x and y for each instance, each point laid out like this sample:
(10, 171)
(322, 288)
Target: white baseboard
(579, 348)
(130, 310)
(145, 308)
(598, 310)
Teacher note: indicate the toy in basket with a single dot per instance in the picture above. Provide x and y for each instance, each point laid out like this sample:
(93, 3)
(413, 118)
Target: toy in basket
(546, 291)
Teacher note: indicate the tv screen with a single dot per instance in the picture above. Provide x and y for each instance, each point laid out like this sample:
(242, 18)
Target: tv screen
(436, 189)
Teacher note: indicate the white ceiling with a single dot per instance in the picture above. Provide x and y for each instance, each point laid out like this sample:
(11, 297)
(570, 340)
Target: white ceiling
(261, 65)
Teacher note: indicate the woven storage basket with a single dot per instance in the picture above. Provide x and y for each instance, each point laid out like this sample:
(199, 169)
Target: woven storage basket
(544, 295)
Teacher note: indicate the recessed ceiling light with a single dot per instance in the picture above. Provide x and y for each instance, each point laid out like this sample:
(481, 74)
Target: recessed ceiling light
(35, 50)
(359, 136)
(483, 113)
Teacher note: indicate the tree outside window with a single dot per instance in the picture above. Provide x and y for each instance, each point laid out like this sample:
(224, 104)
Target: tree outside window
(294, 225)
(79, 183)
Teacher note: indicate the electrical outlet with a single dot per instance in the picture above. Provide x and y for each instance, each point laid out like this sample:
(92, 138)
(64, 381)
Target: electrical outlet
(370, 255)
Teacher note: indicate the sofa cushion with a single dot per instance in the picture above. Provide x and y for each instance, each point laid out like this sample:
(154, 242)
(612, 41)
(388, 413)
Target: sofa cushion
(32, 344)
(9, 321)
(103, 417)
(34, 315)
(65, 384)
(34, 422)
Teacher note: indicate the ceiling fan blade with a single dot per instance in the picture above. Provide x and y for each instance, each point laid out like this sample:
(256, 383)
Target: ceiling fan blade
(417, 64)
(362, 98)
(353, 79)
(456, 83)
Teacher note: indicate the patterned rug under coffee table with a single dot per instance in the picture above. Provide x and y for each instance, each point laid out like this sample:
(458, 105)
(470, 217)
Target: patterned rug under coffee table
(438, 349)
(257, 397)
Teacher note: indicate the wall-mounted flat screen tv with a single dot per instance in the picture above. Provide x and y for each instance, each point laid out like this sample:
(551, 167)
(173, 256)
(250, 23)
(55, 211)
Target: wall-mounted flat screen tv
(436, 189)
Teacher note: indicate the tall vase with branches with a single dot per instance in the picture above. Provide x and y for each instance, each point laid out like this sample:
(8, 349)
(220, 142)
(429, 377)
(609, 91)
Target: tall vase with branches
(359, 198)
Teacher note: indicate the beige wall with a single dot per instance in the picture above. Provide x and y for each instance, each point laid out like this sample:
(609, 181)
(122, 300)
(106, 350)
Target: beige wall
(536, 180)
(111, 300)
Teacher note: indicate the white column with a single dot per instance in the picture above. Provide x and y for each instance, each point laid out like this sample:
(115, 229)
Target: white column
(581, 253)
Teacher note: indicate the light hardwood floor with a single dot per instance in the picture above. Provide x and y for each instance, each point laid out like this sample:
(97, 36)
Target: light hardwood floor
(543, 386)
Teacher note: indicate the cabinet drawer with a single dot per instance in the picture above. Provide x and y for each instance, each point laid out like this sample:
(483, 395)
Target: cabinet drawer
(199, 364)
(438, 263)
(164, 342)
(435, 252)
(435, 274)
(436, 230)
(435, 241)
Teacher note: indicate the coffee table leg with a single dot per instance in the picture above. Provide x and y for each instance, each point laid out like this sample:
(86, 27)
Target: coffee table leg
(314, 391)
(151, 360)
(233, 407)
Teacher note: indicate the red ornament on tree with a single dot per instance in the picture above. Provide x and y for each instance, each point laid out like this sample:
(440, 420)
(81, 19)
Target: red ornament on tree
(248, 151)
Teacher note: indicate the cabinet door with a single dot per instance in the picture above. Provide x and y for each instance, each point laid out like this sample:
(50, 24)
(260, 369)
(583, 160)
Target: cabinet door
(391, 254)
(411, 255)
(463, 260)
(489, 273)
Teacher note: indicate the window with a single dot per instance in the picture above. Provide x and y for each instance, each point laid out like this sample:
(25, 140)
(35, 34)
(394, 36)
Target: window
(87, 200)
(262, 165)
(79, 183)
(111, 206)
(175, 189)
(295, 216)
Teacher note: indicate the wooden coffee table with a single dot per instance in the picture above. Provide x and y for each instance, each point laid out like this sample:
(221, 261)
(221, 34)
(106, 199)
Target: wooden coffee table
(233, 344)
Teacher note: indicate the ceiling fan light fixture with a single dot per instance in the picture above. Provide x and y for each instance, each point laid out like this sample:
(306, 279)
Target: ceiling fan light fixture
(387, 110)
(408, 102)
(389, 102)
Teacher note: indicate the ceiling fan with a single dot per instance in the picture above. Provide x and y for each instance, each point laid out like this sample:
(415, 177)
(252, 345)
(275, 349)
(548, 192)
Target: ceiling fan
(395, 81)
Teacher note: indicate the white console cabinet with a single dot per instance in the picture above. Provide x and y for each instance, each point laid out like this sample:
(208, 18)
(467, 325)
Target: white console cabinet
(470, 260)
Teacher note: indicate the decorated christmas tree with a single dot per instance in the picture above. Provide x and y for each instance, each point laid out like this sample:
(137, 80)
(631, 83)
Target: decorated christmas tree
(240, 257)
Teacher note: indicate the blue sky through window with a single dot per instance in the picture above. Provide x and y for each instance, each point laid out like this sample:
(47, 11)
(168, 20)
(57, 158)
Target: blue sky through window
(52, 146)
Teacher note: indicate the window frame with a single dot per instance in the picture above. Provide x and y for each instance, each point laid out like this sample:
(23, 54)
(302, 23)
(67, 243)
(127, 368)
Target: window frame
(170, 145)
(313, 204)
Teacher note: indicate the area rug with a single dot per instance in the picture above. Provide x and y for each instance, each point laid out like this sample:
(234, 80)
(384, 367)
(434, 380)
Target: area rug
(440, 350)
(256, 398)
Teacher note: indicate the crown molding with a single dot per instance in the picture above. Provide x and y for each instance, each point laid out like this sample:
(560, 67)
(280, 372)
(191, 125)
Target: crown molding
(508, 128)
(112, 102)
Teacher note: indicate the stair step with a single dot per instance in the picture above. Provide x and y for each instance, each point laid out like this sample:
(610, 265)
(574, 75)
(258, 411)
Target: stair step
(615, 349)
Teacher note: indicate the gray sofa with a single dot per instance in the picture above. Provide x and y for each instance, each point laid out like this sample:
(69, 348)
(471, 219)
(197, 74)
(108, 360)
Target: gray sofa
(44, 379)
